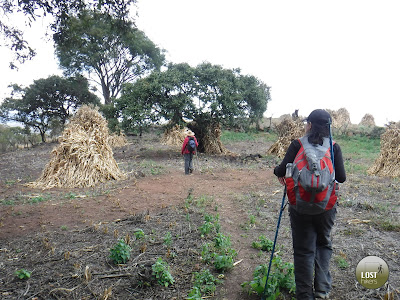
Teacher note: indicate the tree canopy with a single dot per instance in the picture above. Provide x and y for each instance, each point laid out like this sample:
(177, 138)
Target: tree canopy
(59, 10)
(203, 94)
(111, 49)
(46, 101)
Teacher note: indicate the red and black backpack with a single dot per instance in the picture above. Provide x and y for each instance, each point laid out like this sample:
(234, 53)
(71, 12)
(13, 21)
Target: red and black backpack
(311, 186)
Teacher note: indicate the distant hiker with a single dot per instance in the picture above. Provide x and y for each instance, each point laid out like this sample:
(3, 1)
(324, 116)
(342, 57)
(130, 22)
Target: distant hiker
(295, 115)
(189, 147)
(312, 212)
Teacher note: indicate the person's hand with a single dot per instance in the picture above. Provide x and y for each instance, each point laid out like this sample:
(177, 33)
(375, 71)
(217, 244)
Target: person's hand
(282, 180)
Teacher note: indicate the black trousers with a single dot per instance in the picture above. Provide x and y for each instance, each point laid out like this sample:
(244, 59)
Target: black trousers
(312, 252)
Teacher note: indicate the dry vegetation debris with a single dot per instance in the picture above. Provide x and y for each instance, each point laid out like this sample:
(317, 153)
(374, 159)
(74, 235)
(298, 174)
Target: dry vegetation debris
(388, 162)
(174, 136)
(288, 130)
(367, 120)
(83, 156)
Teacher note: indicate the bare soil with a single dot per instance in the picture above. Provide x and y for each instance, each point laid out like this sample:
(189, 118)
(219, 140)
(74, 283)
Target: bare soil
(64, 235)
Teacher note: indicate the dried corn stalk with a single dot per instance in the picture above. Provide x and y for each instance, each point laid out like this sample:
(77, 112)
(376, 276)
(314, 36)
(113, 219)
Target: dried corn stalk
(212, 141)
(367, 120)
(388, 162)
(83, 157)
(174, 136)
(117, 140)
(288, 130)
(340, 119)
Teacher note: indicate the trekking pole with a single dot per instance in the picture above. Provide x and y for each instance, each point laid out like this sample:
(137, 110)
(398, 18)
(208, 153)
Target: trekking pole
(197, 161)
(331, 143)
(273, 247)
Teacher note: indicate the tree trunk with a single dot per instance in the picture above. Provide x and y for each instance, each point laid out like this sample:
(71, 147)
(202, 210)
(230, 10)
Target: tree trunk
(106, 92)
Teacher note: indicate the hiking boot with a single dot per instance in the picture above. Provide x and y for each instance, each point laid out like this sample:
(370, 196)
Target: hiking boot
(321, 295)
(190, 171)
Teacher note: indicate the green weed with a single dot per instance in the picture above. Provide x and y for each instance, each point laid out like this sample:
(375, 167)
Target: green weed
(7, 202)
(210, 225)
(162, 272)
(168, 239)
(341, 262)
(263, 243)
(121, 252)
(152, 167)
(23, 274)
(204, 284)
(139, 234)
(70, 195)
(280, 277)
(219, 253)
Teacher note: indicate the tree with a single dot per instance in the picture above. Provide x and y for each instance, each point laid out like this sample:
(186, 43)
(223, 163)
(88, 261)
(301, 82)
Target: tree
(164, 95)
(112, 49)
(209, 95)
(46, 101)
(59, 10)
(227, 96)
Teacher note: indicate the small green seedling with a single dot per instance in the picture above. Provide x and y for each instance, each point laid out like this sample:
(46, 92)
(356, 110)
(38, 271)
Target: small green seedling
(139, 234)
(121, 252)
(23, 274)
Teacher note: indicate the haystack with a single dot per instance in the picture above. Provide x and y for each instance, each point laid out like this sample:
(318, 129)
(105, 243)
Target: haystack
(174, 136)
(388, 162)
(368, 120)
(83, 157)
(212, 140)
(288, 130)
(340, 119)
(117, 140)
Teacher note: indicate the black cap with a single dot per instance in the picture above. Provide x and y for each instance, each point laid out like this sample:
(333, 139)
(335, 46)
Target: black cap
(319, 116)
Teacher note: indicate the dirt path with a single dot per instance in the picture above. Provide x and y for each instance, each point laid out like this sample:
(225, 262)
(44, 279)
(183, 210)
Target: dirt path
(148, 193)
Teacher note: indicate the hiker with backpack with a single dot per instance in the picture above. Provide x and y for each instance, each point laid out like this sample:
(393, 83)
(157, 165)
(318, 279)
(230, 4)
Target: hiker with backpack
(311, 169)
(189, 148)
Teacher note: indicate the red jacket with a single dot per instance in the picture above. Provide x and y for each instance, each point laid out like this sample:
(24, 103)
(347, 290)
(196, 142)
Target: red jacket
(184, 149)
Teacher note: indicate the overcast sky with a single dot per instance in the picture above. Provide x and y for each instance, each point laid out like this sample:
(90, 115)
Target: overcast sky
(313, 54)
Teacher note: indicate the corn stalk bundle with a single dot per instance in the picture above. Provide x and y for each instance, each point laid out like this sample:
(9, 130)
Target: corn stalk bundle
(83, 157)
(367, 120)
(388, 162)
(212, 140)
(288, 130)
(174, 136)
(117, 140)
(340, 119)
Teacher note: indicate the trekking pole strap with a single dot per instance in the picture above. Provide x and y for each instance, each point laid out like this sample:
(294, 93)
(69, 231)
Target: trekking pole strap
(276, 237)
